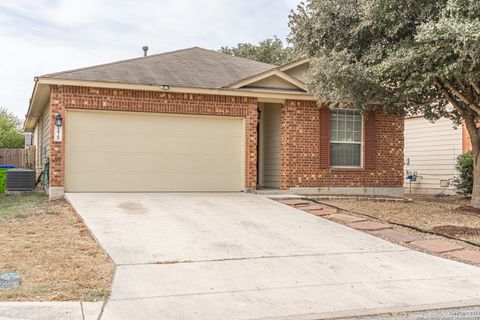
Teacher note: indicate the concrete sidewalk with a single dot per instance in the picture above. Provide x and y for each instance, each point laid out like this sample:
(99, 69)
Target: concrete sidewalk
(50, 310)
(242, 256)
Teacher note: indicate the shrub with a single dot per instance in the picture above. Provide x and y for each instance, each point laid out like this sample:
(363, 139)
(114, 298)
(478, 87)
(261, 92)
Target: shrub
(464, 181)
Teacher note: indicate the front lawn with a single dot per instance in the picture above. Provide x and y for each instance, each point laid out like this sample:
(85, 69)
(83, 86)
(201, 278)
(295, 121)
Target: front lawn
(17, 207)
(446, 216)
(49, 246)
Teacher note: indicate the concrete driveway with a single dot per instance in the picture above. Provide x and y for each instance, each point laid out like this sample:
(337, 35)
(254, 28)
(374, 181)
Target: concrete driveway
(243, 256)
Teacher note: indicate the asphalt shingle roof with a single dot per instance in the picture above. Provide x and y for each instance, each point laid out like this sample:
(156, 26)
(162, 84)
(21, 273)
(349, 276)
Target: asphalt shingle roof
(193, 67)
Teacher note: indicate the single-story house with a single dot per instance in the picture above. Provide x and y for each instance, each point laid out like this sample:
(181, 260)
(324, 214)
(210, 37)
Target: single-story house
(198, 120)
(431, 151)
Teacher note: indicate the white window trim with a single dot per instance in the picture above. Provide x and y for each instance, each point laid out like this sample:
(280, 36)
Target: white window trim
(362, 164)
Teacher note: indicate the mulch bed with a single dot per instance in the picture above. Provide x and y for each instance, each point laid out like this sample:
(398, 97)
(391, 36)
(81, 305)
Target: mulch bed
(468, 209)
(449, 199)
(456, 231)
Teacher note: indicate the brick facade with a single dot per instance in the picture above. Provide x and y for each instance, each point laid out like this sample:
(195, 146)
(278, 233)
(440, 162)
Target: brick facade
(69, 97)
(301, 161)
(300, 134)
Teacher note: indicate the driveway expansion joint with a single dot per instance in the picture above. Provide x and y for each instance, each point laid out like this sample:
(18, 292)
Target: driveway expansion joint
(351, 283)
(401, 249)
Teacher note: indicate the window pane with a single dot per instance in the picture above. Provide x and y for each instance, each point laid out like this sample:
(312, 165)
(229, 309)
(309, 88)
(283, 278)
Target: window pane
(334, 135)
(345, 154)
(349, 136)
(333, 121)
(347, 123)
(357, 137)
(358, 124)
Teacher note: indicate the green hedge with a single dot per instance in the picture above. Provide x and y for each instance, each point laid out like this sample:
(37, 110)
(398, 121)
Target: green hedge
(464, 181)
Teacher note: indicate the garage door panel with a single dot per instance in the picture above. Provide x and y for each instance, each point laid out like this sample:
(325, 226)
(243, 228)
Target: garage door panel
(102, 142)
(147, 182)
(165, 153)
(151, 162)
(175, 125)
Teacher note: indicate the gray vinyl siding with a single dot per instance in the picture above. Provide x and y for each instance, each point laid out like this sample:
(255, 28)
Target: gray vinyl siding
(298, 72)
(431, 150)
(41, 139)
(271, 149)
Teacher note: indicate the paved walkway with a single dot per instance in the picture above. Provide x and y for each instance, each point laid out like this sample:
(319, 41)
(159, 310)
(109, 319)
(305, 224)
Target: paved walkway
(242, 256)
(50, 310)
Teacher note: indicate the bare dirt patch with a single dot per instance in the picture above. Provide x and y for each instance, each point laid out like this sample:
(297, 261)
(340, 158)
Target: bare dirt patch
(468, 209)
(51, 249)
(451, 199)
(425, 215)
(456, 231)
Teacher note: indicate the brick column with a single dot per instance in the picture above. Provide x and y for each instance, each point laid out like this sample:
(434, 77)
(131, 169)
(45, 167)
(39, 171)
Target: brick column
(57, 148)
(299, 158)
(251, 148)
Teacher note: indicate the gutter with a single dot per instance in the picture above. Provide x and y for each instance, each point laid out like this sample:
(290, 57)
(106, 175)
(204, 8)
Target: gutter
(167, 88)
(35, 79)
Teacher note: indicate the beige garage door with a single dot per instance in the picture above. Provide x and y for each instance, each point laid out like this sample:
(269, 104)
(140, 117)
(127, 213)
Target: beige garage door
(108, 151)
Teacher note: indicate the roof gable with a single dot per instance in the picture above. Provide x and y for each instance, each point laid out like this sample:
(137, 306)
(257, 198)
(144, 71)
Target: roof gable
(294, 64)
(297, 69)
(272, 82)
(271, 79)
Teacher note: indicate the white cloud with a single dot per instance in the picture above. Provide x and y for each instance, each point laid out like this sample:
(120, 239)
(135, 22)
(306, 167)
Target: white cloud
(44, 36)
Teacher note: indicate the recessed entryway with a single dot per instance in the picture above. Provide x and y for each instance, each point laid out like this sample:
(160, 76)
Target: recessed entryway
(269, 145)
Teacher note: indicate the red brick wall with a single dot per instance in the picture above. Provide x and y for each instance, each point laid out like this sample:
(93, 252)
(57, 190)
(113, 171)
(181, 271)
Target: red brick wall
(66, 97)
(300, 152)
(300, 149)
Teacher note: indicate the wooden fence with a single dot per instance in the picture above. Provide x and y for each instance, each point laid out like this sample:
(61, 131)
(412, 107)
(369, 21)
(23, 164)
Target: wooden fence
(20, 158)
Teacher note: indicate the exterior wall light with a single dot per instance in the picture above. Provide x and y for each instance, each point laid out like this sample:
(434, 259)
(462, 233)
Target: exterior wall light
(58, 119)
(164, 87)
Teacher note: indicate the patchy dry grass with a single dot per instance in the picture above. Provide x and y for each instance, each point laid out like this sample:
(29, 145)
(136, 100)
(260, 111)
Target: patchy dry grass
(423, 213)
(20, 206)
(55, 255)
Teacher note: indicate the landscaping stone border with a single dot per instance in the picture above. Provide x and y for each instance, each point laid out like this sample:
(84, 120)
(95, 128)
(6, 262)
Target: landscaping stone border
(438, 245)
(358, 198)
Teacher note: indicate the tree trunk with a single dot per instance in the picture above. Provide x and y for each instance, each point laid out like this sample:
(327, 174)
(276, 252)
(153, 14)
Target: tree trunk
(474, 134)
(475, 202)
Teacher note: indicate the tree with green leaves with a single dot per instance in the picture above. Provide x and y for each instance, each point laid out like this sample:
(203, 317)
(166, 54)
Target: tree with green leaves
(404, 57)
(11, 135)
(269, 51)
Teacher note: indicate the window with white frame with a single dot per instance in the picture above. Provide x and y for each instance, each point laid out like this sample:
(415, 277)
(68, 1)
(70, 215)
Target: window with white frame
(345, 138)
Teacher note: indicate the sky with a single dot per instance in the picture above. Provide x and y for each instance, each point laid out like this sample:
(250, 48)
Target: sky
(45, 36)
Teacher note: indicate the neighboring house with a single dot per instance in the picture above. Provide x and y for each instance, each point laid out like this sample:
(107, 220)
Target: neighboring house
(431, 150)
(199, 120)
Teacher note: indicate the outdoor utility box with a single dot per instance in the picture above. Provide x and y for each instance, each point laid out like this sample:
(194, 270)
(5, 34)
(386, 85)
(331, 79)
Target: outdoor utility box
(20, 180)
(3, 176)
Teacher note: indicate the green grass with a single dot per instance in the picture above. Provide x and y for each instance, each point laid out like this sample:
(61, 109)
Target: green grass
(20, 206)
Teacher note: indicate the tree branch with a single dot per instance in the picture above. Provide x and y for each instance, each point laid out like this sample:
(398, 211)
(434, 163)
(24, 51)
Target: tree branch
(459, 95)
(476, 87)
(460, 82)
(449, 97)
